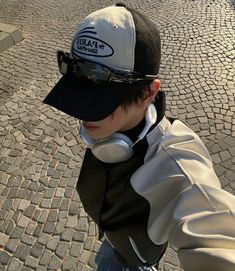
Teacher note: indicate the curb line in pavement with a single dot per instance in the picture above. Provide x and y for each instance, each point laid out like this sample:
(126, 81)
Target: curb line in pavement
(9, 35)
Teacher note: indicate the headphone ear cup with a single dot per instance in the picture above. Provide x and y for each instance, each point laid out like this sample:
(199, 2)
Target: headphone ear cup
(115, 149)
(89, 142)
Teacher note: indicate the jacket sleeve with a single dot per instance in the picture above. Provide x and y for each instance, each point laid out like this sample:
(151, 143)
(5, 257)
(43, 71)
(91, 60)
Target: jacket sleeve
(203, 233)
(188, 208)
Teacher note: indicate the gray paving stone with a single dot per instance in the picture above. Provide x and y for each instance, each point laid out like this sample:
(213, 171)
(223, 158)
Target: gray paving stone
(28, 239)
(92, 231)
(3, 214)
(230, 175)
(25, 253)
(96, 246)
(82, 224)
(53, 242)
(29, 211)
(3, 239)
(60, 192)
(19, 250)
(30, 195)
(4, 257)
(49, 227)
(52, 216)
(79, 266)
(55, 263)
(45, 203)
(60, 225)
(31, 262)
(56, 203)
(10, 229)
(23, 193)
(43, 216)
(43, 238)
(85, 256)
(88, 244)
(7, 204)
(17, 233)
(53, 183)
(62, 249)
(46, 258)
(72, 182)
(36, 214)
(33, 186)
(225, 155)
(48, 194)
(38, 230)
(69, 263)
(12, 245)
(75, 249)
(72, 221)
(31, 227)
(64, 205)
(93, 260)
(73, 209)
(36, 250)
(63, 214)
(67, 234)
(15, 265)
(63, 181)
(13, 192)
(68, 192)
(37, 197)
(40, 268)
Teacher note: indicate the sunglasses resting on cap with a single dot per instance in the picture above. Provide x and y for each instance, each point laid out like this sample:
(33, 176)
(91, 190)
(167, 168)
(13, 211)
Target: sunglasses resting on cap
(99, 73)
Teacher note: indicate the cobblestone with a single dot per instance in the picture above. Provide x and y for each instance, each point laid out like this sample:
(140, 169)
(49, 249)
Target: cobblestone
(49, 227)
(31, 262)
(67, 234)
(53, 242)
(28, 239)
(69, 263)
(12, 245)
(42, 223)
(54, 263)
(46, 257)
(62, 249)
(15, 265)
(3, 239)
(17, 233)
(36, 250)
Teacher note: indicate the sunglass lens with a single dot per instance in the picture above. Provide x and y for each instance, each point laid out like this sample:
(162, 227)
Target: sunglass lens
(92, 71)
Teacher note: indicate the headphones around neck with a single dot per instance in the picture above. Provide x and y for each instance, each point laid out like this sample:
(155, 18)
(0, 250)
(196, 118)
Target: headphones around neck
(118, 147)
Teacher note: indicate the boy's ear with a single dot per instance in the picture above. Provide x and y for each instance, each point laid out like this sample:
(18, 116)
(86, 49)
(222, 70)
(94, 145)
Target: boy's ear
(155, 85)
(153, 90)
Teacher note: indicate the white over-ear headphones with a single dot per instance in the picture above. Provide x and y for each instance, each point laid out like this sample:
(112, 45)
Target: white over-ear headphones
(118, 147)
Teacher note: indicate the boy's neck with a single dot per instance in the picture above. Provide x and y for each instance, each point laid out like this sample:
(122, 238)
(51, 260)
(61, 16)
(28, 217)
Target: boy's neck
(134, 132)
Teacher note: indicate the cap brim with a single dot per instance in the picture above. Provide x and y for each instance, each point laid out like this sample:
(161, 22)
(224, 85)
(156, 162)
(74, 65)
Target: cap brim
(85, 99)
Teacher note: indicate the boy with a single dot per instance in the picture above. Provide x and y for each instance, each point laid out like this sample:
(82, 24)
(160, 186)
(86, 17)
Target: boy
(145, 180)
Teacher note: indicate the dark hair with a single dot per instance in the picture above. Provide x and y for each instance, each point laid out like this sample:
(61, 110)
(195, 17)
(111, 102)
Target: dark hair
(137, 93)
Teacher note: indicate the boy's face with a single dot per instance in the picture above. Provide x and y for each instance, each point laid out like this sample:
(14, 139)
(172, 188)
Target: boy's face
(120, 120)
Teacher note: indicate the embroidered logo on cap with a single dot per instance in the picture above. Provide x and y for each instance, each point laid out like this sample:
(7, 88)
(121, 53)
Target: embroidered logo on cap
(84, 43)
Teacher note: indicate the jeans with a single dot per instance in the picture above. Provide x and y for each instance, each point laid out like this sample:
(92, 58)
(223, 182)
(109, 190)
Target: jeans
(108, 259)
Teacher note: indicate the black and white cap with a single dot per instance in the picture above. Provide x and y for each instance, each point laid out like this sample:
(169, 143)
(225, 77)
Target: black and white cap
(118, 37)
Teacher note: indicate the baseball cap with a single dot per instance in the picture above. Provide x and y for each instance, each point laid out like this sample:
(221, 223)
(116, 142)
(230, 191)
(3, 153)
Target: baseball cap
(117, 37)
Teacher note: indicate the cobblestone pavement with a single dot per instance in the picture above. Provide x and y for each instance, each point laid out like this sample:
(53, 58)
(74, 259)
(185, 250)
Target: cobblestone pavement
(42, 223)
